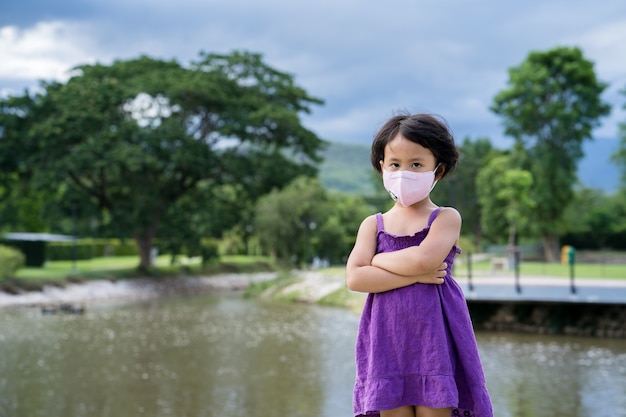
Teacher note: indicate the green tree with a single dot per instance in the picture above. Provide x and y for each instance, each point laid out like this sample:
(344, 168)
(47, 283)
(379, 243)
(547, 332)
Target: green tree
(592, 220)
(619, 199)
(617, 210)
(619, 157)
(379, 199)
(515, 190)
(551, 106)
(138, 136)
(336, 235)
(459, 189)
(20, 204)
(288, 220)
(504, 196)
(303, 221)
(21, 207)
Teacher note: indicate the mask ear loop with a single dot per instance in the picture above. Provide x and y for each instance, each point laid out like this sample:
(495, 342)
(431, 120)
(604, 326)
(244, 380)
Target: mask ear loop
(436, 168)
(436, 180)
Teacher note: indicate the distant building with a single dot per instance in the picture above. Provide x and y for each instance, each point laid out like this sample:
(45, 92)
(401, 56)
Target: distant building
(33, 245)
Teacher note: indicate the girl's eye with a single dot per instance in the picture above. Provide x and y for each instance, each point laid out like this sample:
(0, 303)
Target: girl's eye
(416, 165)
(395, 165)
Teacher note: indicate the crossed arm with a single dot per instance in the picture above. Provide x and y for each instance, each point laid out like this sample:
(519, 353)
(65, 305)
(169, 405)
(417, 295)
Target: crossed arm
(367, 271)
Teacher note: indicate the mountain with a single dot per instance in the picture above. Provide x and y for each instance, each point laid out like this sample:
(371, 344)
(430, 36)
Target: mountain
(347, 167)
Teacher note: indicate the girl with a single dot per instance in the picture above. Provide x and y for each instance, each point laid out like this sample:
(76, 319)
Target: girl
(416, 354)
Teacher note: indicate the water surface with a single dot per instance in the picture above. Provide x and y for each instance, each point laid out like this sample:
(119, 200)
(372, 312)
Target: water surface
(221, 355)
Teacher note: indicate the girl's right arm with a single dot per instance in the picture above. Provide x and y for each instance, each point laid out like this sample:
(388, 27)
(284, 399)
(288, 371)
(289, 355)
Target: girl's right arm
(361, 276)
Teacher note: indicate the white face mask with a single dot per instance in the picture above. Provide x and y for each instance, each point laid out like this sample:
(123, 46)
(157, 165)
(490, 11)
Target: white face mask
(408, 187)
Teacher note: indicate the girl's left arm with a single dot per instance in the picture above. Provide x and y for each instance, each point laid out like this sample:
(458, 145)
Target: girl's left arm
(363, 277)
(443, 235)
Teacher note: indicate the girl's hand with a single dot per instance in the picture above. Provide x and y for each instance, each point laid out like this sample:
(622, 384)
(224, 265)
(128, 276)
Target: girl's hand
(434, 277)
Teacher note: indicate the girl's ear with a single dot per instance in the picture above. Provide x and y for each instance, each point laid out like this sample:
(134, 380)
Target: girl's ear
(381, 164)
(441, 169)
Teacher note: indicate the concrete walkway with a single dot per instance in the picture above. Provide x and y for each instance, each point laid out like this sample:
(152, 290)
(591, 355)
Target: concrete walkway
(313, 285)
(490, 286)
(501, 287)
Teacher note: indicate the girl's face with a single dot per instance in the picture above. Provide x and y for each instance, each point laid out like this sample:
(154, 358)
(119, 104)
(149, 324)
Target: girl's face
(403, 155)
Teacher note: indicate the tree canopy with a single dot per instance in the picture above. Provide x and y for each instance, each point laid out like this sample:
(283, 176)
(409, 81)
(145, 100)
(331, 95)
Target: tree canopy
(619, 157)
(137, 137)
(304, 220)
(459, 189)
(551, 105)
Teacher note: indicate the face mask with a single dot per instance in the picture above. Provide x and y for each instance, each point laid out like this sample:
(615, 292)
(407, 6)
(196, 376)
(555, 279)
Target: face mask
(408, 187)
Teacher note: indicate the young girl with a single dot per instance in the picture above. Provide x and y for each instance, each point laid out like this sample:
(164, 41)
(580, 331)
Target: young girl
(416, 354)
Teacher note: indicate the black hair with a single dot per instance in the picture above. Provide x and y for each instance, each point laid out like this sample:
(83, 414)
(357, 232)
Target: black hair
(428, 130)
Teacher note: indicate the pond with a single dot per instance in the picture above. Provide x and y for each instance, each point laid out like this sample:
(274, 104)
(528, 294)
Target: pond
(222, 355)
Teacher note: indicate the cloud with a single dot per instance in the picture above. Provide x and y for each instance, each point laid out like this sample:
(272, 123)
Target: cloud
(45, 51)
(365, 58)
(605, 46)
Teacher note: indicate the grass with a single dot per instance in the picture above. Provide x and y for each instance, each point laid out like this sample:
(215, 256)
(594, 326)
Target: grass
(606, 271)
(110, 267)
(283, 280)
(344, 298)
(93, 268)
(59, 273)
(587, 270)
(581, 270)
(126, 266)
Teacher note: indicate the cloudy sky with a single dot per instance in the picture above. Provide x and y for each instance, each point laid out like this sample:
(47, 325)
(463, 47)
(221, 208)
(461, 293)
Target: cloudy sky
(365, 58)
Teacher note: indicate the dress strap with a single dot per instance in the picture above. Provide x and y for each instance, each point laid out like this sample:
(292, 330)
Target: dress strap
(379, 222)
(433, 215)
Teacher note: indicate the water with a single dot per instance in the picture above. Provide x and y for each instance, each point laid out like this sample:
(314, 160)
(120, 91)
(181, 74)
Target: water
(534, 375)
(226, 356)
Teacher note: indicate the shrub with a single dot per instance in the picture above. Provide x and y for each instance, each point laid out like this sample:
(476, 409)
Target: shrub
(64, 251)
(10, 261)
(466, 245)
(123, 247)
(91, 248)
(210, 252)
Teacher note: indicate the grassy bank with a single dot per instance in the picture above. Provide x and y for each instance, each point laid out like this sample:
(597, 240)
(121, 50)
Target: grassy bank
(59, 273)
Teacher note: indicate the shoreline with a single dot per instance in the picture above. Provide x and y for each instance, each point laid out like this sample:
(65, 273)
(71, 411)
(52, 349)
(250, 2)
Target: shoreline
(136, 289)
(316, 287)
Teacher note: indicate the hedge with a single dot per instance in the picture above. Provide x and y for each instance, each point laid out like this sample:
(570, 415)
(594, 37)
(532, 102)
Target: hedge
(90, 248)
(10, 261)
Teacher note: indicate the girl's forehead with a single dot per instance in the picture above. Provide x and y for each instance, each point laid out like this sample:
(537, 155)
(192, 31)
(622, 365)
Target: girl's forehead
(400, 147)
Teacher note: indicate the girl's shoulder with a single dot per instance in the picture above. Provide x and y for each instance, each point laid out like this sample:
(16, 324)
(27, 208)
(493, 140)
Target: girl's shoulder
(446, 214)
(371, 221)
(447, 211)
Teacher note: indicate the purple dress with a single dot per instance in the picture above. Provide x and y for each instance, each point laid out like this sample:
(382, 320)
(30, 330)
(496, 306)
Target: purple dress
(416, 344)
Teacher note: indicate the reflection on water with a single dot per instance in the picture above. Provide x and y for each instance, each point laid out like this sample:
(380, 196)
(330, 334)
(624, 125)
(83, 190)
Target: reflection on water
(532, 375)
(225, 356)
(204, 356)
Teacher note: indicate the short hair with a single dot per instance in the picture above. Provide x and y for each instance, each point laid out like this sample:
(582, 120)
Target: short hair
(428, 130)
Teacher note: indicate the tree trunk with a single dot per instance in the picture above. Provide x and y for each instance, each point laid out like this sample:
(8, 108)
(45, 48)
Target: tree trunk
(512, 237)
(144, 240)
(478, 238)
(551, 251)
(512, 248)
